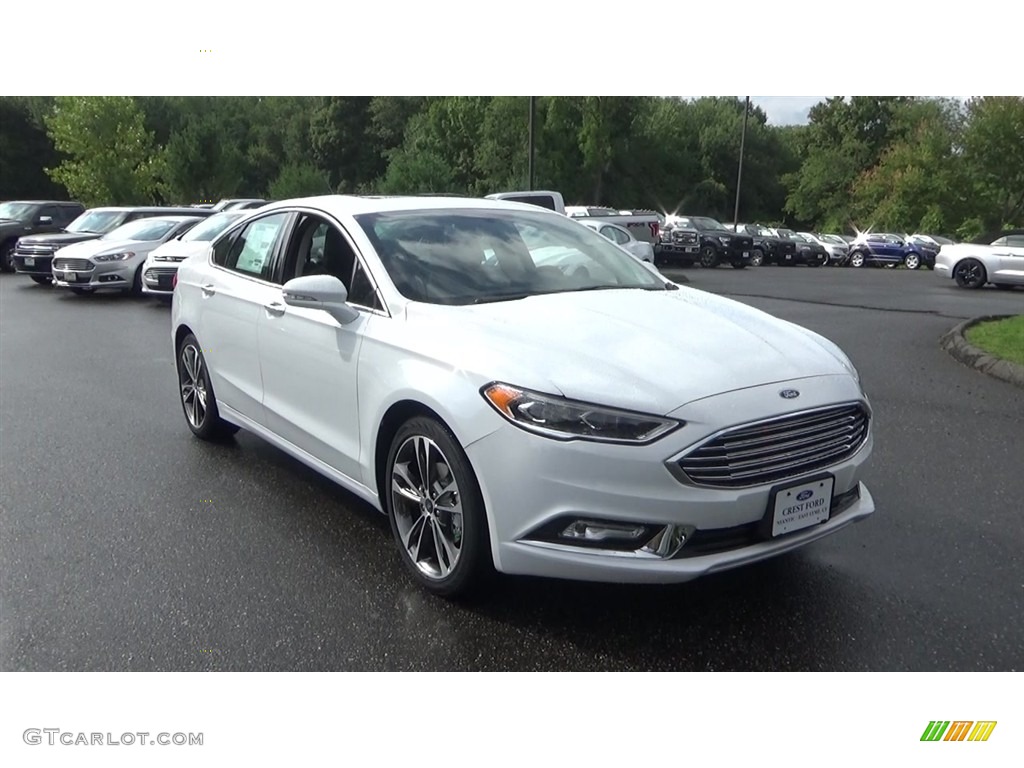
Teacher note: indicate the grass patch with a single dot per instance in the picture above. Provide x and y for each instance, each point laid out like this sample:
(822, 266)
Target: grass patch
(1002, 338)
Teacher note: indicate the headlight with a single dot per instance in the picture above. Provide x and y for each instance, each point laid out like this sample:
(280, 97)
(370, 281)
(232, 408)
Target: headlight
(725, 239)
(559, 418)
(122, 256)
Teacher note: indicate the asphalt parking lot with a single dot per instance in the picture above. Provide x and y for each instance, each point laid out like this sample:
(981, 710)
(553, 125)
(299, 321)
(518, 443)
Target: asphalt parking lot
(129, 545)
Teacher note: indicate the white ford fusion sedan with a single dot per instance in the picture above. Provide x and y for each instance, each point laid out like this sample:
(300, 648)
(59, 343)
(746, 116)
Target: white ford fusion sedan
(579, 418)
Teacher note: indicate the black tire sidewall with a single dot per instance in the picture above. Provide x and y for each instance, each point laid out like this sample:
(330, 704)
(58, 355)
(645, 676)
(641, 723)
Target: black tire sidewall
(475, 563)
(211, 428)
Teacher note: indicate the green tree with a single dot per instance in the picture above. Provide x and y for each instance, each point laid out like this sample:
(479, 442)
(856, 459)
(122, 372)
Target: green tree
(25, 150)
(299, 181)
(993, 153)
(110, 156)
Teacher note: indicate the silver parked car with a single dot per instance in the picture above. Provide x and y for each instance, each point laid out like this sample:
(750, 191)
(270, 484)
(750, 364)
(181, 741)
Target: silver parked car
(973, 266)
(624, 238)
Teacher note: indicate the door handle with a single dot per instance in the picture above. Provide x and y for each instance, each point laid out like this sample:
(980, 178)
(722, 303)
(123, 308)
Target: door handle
(208, 290)
(276, 309)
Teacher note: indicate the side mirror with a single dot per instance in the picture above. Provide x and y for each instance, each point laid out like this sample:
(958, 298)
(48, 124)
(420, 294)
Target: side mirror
(324, 292)
(44, 220)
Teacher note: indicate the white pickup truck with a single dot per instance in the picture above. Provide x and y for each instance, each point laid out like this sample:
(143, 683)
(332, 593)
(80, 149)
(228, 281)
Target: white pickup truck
(643, 225)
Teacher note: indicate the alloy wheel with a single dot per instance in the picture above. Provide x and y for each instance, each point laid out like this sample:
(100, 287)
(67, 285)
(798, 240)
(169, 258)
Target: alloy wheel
(427, 507)
(912, 261)
(970, 273)
(193, 385)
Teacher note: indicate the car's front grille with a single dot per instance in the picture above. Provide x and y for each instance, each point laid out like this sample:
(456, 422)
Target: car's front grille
(684, 238)
(76, 264)
(776, 449)
(24, 249)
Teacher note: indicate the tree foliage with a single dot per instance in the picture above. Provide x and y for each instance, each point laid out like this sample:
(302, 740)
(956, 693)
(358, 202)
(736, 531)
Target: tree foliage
(882, 162)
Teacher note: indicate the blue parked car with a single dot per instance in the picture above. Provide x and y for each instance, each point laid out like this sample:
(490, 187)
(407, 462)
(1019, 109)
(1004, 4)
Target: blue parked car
(890, 250)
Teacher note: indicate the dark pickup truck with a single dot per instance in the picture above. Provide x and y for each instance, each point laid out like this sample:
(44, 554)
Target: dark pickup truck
(33, 256)
(28, 217)
(768, 248)
(718, 244)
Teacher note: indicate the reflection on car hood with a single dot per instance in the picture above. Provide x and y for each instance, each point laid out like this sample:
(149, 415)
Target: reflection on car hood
(650, 351)
(89, 248)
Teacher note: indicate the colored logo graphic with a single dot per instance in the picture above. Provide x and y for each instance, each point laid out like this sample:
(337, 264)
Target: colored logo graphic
(804, 495)
(959, 730)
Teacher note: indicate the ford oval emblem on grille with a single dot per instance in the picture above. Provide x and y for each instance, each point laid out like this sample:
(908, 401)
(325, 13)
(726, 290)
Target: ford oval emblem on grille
(804, 495)
(789, 394)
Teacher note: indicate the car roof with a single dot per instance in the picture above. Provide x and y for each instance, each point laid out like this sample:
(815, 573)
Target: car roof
(44, 202)
(352, 205)
(179, 218)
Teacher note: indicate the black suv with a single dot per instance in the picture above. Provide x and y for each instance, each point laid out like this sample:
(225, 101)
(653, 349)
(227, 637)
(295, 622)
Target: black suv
(807, 251)
(33, 255)
(27, 217)
(718, 244)
(769, 248)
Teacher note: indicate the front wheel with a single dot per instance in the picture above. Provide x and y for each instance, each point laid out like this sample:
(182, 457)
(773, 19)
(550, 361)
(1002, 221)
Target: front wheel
(436, 510)
(857, 259)
(709, 257)
(970, 273)
(757, 257)
(912, 261)
(196, 391)
(7, 257)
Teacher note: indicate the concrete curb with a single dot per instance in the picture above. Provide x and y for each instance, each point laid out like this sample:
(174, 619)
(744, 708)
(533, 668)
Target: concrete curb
(956, 344)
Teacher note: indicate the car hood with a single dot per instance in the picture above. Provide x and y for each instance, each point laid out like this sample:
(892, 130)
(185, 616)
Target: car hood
(11, 224)
(89, 248)
(179, 249)
(650, 351)
(61, 239)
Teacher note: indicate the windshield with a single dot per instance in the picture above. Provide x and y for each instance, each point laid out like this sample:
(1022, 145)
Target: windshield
(17, 211)
(788, 233)
(97, 222)
(475, 256)
(699, 222)
(143, 229)
(213, 226)
(834, 239)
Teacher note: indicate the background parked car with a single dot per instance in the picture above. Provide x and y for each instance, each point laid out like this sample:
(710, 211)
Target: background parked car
(805, 250)
(27, 217)
(33, 256)
(889, 249)
(238, 203)
(622, 236)
(677, 242)
(162, 263)
(114, 261)
(837, 251)
(972, 265)
(768, 248)
(718, 244)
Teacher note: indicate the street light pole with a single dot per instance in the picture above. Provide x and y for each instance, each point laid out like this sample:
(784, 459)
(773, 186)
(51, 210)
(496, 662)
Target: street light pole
(530, 172)
(739, 175)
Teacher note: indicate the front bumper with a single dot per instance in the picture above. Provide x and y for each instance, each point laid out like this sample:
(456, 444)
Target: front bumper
(634, 485)
(101, 276)
(36, 265)
(158, 278)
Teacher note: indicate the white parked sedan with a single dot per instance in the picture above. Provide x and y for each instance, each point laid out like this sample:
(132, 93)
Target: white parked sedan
(623, 238)
(114, 261)
(161, 264)
(973, 266)
(593, 421)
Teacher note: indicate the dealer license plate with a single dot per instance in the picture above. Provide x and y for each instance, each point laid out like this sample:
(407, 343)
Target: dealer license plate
(746, 254)
(801, 506)
(29, 262)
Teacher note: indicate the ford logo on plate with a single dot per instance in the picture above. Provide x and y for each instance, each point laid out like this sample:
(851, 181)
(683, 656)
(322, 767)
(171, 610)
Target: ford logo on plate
(789, 394)
(804, 495)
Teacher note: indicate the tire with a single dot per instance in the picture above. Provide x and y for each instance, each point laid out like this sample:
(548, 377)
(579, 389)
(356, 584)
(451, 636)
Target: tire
(455, 561)
(970, 273)
(7, 256)
(136, 289)
(756, 257)
(41, 280)
(857, 259)
(912, 261)
(709, 257)
(195, 391)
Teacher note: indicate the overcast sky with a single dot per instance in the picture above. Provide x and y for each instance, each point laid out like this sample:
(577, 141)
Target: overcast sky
(786, 110)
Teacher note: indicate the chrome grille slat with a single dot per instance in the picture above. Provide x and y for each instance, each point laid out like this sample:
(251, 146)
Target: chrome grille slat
(77, 264)
(776, 449)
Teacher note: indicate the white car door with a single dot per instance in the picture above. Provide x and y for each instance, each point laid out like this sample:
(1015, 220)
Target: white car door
(234, 291)
(1011, 262)
(308, 359)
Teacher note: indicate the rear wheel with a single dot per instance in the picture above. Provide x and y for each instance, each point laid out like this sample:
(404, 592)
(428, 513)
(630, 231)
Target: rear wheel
(756, 257)
(970, 273)
(196, 391)
(436, 510)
